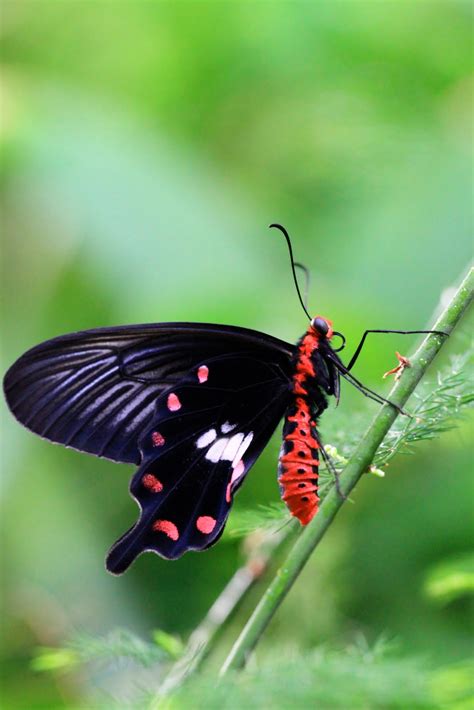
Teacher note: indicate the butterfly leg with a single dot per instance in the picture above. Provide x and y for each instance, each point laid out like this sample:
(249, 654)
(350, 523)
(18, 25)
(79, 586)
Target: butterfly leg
(368, 392)
(358, 349)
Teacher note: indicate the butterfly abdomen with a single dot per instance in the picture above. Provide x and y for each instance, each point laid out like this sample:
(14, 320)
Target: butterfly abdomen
(299, 458)
(299, 461)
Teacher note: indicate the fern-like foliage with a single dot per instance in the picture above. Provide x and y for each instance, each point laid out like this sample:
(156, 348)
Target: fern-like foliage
(271, 518)
(436, 408)
(359, 677)
(370, 676)
(116, 646)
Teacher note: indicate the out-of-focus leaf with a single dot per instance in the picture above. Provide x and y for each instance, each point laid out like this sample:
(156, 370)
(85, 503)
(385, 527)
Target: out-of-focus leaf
(453, 686)
(119, 644)
(451, 579)
(54, 659)
(172, 645)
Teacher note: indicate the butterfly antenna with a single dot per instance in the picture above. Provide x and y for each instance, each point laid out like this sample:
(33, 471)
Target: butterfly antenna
(307, 280)
(288, 241)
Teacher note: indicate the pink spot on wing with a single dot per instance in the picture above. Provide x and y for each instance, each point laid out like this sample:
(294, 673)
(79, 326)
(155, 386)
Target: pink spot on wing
(166, 527)
(205, 524)
(152, 483)
(239, 468)
(157, 439)
(203, 373)
(237, 472)
(173, 402)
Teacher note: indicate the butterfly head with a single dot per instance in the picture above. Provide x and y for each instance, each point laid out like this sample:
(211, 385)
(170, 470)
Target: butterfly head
(324, 330)
(322, 327)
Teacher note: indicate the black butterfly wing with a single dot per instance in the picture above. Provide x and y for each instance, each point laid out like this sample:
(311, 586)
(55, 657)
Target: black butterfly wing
(206, 433)
(96, 390)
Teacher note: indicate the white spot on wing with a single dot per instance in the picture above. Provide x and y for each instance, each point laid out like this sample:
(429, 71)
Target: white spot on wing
(238, 471)
(243, 448)
(206, 438)
(227, 426)
(225, 448)
(215, 452)
(232, 447)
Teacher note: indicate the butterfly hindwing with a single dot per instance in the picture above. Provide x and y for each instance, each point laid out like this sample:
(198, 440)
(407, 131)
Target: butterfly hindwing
(206, 433)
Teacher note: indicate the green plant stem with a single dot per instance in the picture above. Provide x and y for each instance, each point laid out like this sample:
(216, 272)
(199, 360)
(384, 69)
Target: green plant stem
(360, 461)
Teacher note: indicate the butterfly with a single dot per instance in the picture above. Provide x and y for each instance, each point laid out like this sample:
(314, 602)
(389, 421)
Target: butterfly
(192, 406)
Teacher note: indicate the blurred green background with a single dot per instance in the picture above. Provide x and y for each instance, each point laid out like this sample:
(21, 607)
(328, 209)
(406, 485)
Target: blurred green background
(146, 146)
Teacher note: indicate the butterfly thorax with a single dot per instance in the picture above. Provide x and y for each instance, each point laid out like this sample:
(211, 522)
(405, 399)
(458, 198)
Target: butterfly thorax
(299, 459)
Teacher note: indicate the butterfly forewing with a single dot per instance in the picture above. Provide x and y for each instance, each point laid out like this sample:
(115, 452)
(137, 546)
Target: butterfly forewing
(96, 391)
(206, 433)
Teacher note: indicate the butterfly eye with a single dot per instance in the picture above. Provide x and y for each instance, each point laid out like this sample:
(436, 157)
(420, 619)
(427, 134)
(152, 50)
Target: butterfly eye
(320, 325)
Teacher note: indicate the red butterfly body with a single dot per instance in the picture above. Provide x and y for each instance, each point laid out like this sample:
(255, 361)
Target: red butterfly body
(299, 458)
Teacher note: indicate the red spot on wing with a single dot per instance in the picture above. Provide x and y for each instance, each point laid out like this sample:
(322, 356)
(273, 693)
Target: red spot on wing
(206, 524)
(173, 402)
(166, 527)
(203, 373)
(152, 483)
(157, 439)
(228, 493)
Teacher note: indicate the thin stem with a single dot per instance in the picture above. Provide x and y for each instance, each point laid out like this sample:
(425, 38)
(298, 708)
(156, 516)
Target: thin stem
(360, 461)
(201, 640)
